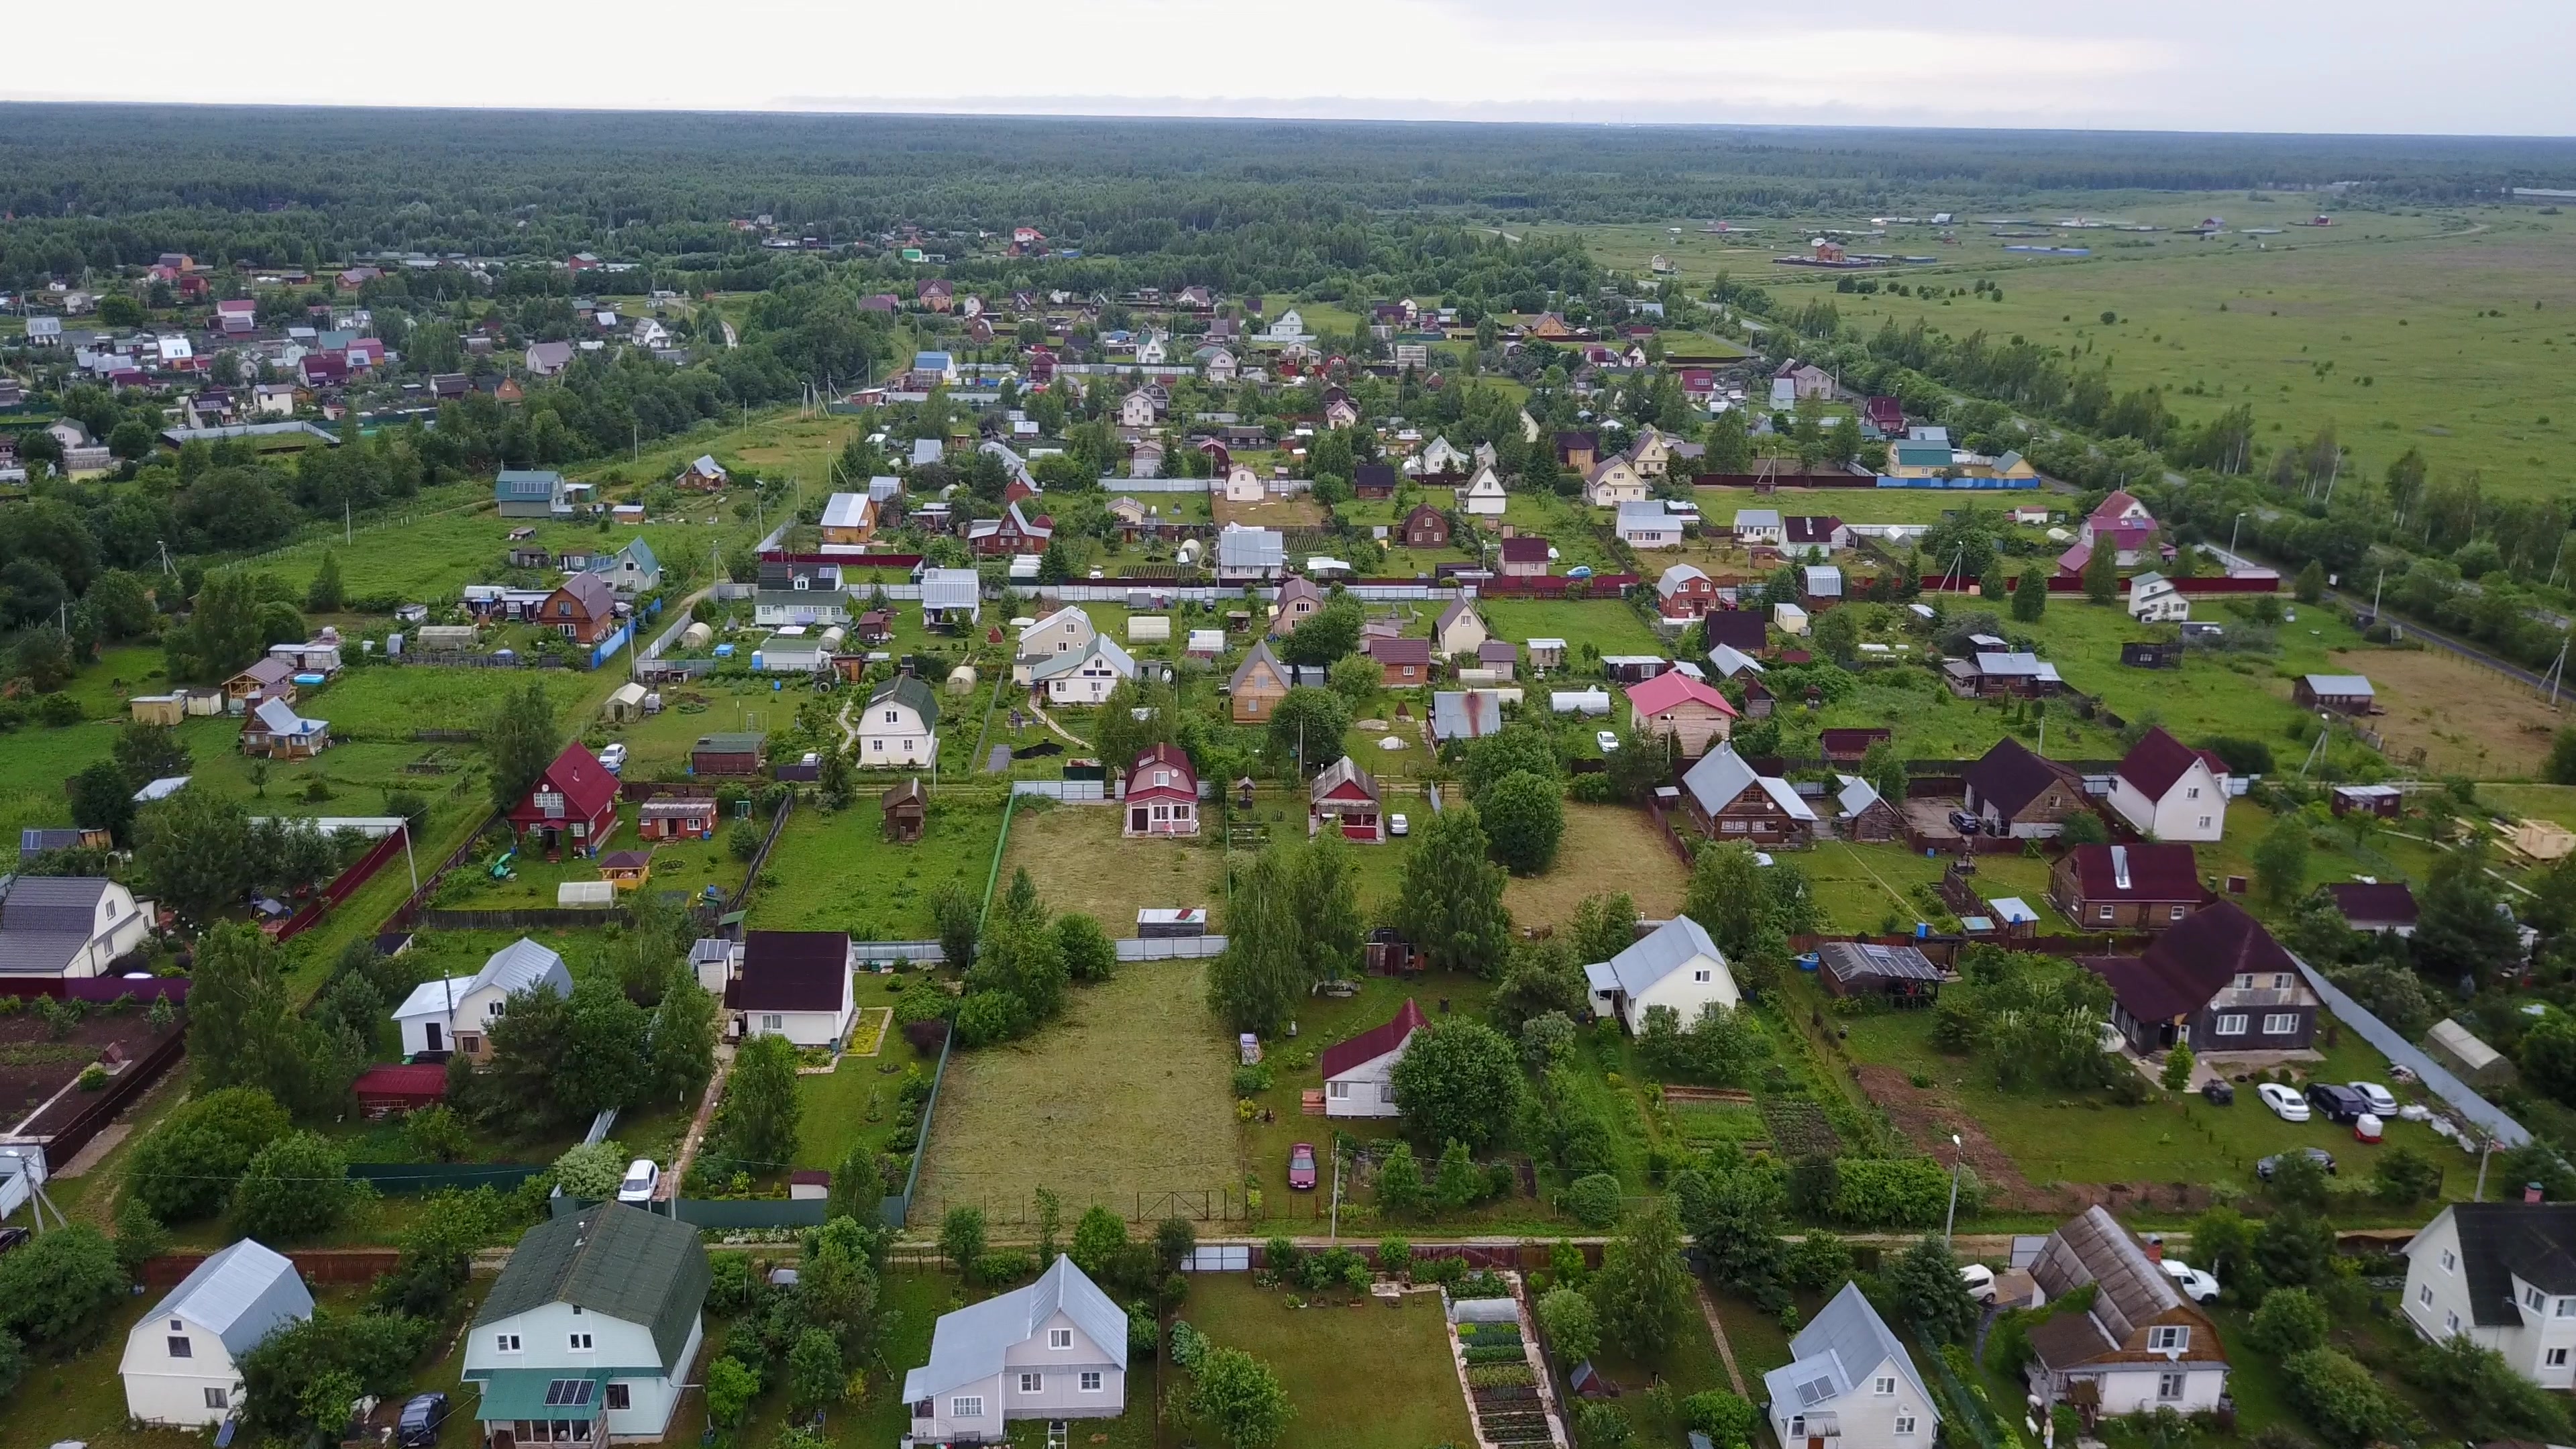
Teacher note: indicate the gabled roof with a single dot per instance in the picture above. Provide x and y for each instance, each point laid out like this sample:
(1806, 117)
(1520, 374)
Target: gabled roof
(2336, 685)
(266, 672)
(1468, 714)
(1101, 647)
(279, 718)
(592, 592)
(2140, 873)
(1373, 1043)
(908, 690)
(2380, 903)
(1845, 1340)
(2156, 762)
(1662, 952)
(238, 1294)
(51, 904)
(969, 1344)
(1165, 756)
(1812, 531)
(580, 778)
(950, 588)
(520, 966)
(1721, 776)
(847, 510)
(1524, 548)
(1855, 796)
(1676, 577)
(620, 1261)
(791, 971)
(1260, 659)
(1757, 518)
(2009, 776)
(1399, 651)
(1744, 629)
(2502, 1241)
(527, 485)
(2093, 1248)
(1671, 689)
(1342, 772)
(1458, 608)
(2197, 958)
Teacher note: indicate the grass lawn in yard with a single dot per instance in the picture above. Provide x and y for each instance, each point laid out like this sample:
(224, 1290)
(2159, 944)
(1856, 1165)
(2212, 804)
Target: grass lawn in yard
(837, 871)
(1364, 1377)
(1860, 885)
(1606, 624)
(1605, 849)
(1120, 1101)
(1081, 862)
(835, 1116)
(2554, 803)
(1688, 1365)
(1756, 1338)
(686, 866)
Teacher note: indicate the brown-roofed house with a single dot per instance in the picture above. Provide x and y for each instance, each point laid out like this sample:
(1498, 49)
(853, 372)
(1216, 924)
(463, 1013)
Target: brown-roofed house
(1426, 527)
(2376, 906)
(1345, 798)
(1524, 557)
(2142, 887)
(2140, 1347)
(2022, 795)
(905, 808)
(2217, 982)
(1406, 663)
(583, 608)
(794, 984)
(1299, 600)
(2167, 790)
(1742, 630)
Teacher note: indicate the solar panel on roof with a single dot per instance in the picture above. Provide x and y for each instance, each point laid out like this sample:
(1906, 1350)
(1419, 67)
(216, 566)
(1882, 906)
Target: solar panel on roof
(567, 1393)
(1815, 1391)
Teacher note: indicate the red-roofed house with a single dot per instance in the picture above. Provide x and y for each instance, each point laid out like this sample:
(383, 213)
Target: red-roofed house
(1359, 1074)
(2167, 790)
(2127, 887)
(1885, 414)
(1344, 798)
(1406, 662)
(574, 803)
(2216, 983)
(1162, 793)
(1690, 710)
(2376, 906)
(1524, 557)
(394, 1087)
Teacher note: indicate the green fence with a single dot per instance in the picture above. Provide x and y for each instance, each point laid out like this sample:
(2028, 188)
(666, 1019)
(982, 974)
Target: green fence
(409, 1177)
(806, 1212)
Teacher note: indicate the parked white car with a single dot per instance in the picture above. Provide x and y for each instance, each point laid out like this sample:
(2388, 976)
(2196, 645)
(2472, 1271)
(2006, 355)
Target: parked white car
(2196, 1285)
(613, 758)
(641, 1178)
(2285, 1102)
(1608, 740)
(1398, 825)
(1979, 1280)
(2382, 1101)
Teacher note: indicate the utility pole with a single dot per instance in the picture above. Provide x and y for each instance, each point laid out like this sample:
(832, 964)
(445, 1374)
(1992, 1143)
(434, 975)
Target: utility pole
(1958, 1157)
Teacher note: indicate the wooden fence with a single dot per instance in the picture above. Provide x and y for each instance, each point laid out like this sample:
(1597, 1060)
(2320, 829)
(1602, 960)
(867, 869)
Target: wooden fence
(346, 883)
(99, 1108)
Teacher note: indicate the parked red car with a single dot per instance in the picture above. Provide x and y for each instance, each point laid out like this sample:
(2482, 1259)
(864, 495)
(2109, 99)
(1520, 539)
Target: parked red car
(1301, 1167)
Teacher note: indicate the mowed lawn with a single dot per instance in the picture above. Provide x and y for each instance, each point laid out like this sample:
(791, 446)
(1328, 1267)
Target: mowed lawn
(1321, 1023)
(837, 871)
(1361, 1377)
(1080, 862)
(1118, 1102)
(1606, 849)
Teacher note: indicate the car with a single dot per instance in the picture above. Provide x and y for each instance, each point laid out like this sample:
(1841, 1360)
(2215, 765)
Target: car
(2196, 1285)
(420, 1421)
(2318, 1155)
(1301, 1167)
(2377, 1098)
(1608, 740)
(641, 1178)
(613, 759)
(2286, 1104)
(2220, 1092)
(1398, 825)
(1579, 571)
(2339, 1104)
(1979, 1281)
(12, 1239)
(1963, 822)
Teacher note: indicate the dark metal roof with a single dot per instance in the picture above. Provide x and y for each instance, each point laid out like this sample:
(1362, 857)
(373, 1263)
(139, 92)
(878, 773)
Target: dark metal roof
(2502, 1241)
(791, 971)
(621, 1261)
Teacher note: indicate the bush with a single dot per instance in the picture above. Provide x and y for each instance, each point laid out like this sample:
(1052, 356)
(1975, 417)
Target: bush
(1189, 1346)
(56, 1289)
(2343, 1401)
(1573, 1326)
(592, 1171)
(2290, 1321)
(1251, 1079)
(297, 1187)
(1593, 1200)
(1727, 1419)
(1600, 1426)
(1005, 1267)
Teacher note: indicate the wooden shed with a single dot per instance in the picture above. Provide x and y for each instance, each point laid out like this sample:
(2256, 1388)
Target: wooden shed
(906, 808)
(729, 754)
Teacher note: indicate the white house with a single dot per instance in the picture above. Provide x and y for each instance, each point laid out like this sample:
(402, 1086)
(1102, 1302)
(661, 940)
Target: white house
(68, 925)
(590, 1328)
(1850, 1382)
(1649, 525)
(1288, 326)
(2153, 599)
(1359, 1074)
(1242, 484)
(794, 984)
(1065, 631)
(2141, 1346)
(2169, 791)
(1085, 675)
(181, 1366)
(1676, 966)
(2503, 1274)
(1759, 525)
(1483, 495)
(1136, 410)
(456, 1014)
(1056, 1349)
(900, 725)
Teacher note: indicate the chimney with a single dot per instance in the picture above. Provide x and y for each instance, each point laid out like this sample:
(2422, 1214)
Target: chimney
(2155, 1247)
(2120, 866)
(2531, 1192)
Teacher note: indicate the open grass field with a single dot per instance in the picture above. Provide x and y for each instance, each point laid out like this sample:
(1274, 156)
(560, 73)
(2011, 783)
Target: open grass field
(1606, 624)
(1080, 862)
(836, 871)
(2505, 735)
(2540, 802)
(1361, 1377)
(1119, 1102)
(1606, 849)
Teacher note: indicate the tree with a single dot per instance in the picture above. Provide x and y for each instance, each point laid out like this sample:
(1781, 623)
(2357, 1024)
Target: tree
(814, 1373)
(1603, 926)
(519, 741)
(958, 919)
(1459, 1182)
(2497, 1402)
(186, 1167)
(306, 1373)
(1924, 1280)
(1399, 1182)
(2547, 1057)
(1524, 817)
(1991, 585)
(961, 1240)
(242, 1029)
(140, 1237)
(44, 653)
(1257, 981)
(1174, 1241)
(121, 607)
(1513, 749)
(730, 1389)
(101, 800)
(222, 634)
(2281, 860)
(2177, 1071)
(1354, 677)
(1573, 1328)
(2294, 1248)
(2560, 767)
(1308, 724)
(684, 1037)
(55, 1290)
(2343, 1401)
(1087, 951)
(2030, 595)
(1733, 1216)
(2289, 1320)
(1450, 905)
(148, 752)
(1641, 1291)
(1837, 635)
(1330, 928)
(1727, 1419)
(1241, 1397)
(2404, 1176)
(296, 1188)
(2460, 931)
(326, 594)
(194, 848)
(757, 1120)
(2311, 583)
(2102, 574)
(1458, 1081)
(1099, 1236)
(1728, 897)
(1327, 634)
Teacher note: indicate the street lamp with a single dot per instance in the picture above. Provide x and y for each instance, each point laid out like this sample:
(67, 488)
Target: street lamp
(2235, 529)
(1958, 1155)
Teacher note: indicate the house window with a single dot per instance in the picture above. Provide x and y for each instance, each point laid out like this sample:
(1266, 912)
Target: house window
(2450, 1261)
(2169, 1386)
(1797, 1426)
(2280, 1023)
(2424, 1295)
(577, 1342)
(772, 1021)
(1091, 1381)
(180, 1348)
(2532, 1298)
(1059, 1338)
(2178, 912)
(2451, 1322)
(1884, 1387)
(2245, 981)
(2168, 1338)
(2193, 794)
(2566, 1308)
(2204, 822)
(1699, 976)
(563, 609)
(1338, 1091)
(2281, 980)
(1030, 1383)
(889, 716)
(217, 1398)
(1904, 1426)
(617, 1397)
(2231, 1024)
(966, 1406)
(505, 1343)
(2558, 1358)
(2103, 913)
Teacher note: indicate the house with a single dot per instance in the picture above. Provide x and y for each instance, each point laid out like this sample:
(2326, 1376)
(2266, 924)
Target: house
(1683, 592)
(2144, 887)
(1483, 495)
(1806, 380)
(1675, 966)
(1742, 630)
(2502, 1275)
(705, 475)
(1730, 802)
(1654, 451)
(182, 1364)
(36, 841)
(1577, 451)
(2377, 907)
(68, 925)
(1086, 675)
(1066, 631)
(1465, 714)
(583, 608)
(676, 819)
(1249, 555)
(1524, 556)
(1613, 481)
(1012, 533)
(1405, 663)
(548, 359)
(1053, 1350)
(794, 984)
(2140, 1346)
(588, 1334)
(726, 754)
(2120, 511)
(2015, 793)
(2215, 982)
(1261, 681)
(905, 810)
(1425, 527)
(1341, 412)
(1649, 525)
(573, 805)
(1162, 793)
(1886, 414)
(2167, 790)
(2154, 599)
(272, 730)
(1862, 814)
(1442, 457)
(2001, 671)
(1298, 601)
(2385, 801)
(1359, 1074)
(1759, 526)
(1373, 480)
(529, 493)
(899, 728)
(1850, 1383)
(1243, 484)
(1689, 710)
(270, 678)
(849, 519)
(1344, 798)
(1459, 629)
(1136, 410)
(2342, 693)
(1801, 533)
(632, 570)
(455, 1014)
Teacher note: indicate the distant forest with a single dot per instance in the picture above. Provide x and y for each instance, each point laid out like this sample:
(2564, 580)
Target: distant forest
(117, 185)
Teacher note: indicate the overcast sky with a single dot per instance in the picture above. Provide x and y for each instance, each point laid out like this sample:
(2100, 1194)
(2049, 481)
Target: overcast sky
(2461, 67)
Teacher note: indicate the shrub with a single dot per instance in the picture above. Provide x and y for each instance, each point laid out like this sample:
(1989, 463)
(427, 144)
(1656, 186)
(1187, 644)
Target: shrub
(1593, 1200)
(1600, 1426)
(1005, 1267)
(1573, 1325)
(2343, 1401)
(1252, 1079)
(1189, 1346)
(2290, 1321)
(1727, 1419)
(592, 1171)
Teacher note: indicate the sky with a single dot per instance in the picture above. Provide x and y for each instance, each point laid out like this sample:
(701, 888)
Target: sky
(2465, 67)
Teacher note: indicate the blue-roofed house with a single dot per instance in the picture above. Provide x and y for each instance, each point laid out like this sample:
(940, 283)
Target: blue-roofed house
(530, 493)
(182, 1365)
(631, 570)
(455, 1013)
(1675, 966)
(1849, 1381)
(935, 364)
(1056, 1349)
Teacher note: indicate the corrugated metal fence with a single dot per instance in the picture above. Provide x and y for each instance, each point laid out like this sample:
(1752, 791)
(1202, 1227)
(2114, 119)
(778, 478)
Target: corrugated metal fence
(1173, 948)
(2461, 1097)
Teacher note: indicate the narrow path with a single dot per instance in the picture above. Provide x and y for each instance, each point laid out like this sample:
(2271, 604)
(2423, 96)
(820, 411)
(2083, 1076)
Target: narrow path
(1717, 1335)
(669, 1187)
(1038, 708)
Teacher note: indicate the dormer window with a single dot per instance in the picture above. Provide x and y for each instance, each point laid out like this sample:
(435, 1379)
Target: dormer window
(2168, 1338)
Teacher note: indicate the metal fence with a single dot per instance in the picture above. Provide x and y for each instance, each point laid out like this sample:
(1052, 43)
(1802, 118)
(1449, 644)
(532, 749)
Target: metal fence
(1114, 486)
(865, 951)
(1080, 792)
(1173, 948)
(410, 1177)
(2462, 1098)
(803, 1212)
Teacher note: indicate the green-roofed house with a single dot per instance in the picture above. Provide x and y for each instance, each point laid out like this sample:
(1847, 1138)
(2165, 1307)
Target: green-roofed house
(900, 727)
(530, 493)
(589, 1334)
